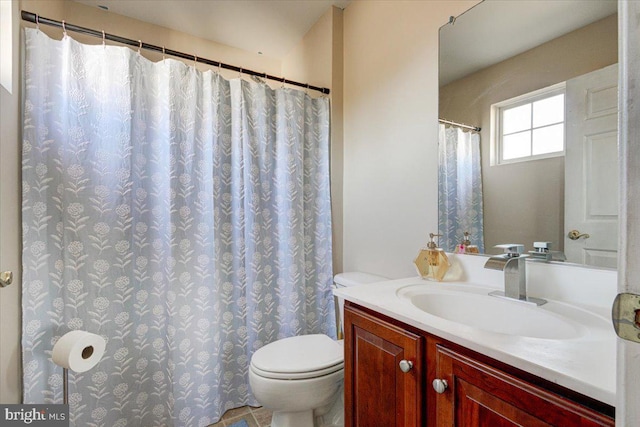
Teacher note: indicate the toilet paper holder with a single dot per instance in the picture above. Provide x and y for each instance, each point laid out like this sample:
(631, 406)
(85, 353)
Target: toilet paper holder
(79, 351)
(86, 353)
(65, 386)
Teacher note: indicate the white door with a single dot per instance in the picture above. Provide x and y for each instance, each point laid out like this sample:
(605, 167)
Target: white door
(628, 366)
(591, 168)
(10, 381)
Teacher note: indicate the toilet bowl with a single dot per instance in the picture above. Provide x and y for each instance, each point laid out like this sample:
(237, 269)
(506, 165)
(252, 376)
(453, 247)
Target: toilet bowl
(294, 376)
(300, 379)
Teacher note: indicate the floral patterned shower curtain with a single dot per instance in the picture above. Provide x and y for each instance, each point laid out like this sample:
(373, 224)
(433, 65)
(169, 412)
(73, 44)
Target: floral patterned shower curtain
(459, 188)
(183, 217)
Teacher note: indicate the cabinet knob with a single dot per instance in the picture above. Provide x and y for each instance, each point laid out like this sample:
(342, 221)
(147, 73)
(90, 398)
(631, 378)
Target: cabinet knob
(405, 365)
(440, 385)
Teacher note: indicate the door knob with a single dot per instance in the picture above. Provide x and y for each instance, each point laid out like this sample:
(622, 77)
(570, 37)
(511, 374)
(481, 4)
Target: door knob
(575, 235)
(440, 386)
(405, 365)
(6, 278)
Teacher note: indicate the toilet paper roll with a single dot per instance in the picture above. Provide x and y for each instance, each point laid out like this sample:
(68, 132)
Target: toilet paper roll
(78, 350)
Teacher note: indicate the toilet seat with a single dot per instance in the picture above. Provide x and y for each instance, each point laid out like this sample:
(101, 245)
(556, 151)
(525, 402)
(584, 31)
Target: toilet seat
(297, 376)
(300, 357)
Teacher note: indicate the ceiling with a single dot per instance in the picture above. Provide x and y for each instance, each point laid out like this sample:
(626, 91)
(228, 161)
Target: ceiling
(272, 27)
(478, 38)
(484, 35)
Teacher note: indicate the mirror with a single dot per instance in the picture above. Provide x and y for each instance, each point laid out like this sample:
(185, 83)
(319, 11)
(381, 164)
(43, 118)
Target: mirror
(499, 51)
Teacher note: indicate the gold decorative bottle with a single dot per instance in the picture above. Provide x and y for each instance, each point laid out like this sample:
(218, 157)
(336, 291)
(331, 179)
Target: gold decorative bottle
(432, 262)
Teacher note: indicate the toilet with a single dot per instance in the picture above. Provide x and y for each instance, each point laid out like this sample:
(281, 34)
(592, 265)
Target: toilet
(300, 379)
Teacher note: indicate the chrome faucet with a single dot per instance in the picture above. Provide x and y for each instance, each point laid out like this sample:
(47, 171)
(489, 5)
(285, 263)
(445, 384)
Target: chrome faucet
(513, 263)
(542, 252)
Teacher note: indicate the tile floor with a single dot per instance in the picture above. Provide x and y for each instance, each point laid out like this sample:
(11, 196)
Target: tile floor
(255, 417)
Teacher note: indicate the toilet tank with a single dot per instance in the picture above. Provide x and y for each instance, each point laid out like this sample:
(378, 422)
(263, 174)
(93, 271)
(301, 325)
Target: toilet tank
(345, 280)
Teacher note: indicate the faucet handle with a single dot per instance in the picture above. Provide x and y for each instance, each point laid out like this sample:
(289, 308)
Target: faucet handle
(511, 249)
(542, 247)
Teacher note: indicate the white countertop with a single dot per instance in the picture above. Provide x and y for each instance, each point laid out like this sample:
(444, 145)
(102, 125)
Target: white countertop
(586, 364)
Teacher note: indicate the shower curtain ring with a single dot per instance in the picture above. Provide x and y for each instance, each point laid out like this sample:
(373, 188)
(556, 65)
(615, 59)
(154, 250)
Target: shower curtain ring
(284, 80)
(139, 46)
(64, 28)
(219, 68)
(103, 39)
(163, 53)
(240, 73)
(195, 60)
(37, 22)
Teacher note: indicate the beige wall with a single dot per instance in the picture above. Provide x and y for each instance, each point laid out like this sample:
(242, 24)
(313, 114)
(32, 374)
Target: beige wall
(337, 140)
(524, 202)
(311, 57)
(390, 131)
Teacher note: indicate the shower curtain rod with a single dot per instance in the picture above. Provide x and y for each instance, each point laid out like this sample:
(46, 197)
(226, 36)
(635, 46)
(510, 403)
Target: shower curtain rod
(460, 125)
(36, 19)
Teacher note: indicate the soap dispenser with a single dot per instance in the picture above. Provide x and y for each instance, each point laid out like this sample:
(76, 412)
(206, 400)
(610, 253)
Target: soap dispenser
(432, 262)
(466, 247)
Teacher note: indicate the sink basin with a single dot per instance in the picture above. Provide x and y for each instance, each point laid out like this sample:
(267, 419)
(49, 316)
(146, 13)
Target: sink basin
(473, 307)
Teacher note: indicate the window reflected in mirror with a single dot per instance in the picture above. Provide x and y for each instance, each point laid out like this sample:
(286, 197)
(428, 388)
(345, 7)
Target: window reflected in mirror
(549, 162)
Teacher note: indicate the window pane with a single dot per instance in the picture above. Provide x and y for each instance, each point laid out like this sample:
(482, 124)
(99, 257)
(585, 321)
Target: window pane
(516, 119)
(516, 145)
(548, 111)
(549, 139)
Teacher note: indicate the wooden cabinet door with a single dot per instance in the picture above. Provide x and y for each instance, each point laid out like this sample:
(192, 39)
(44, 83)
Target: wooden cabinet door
(377, 391)
(479, 395)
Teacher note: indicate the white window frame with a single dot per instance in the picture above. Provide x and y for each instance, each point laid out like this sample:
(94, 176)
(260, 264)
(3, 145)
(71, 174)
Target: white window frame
(496, 124)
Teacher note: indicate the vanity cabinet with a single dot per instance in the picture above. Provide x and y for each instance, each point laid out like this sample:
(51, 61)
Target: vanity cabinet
(480, 395)
(479, 391)
(384, 373)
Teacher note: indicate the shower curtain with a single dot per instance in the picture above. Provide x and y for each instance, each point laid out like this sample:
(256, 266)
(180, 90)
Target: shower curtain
(183, 217)
(459, 188)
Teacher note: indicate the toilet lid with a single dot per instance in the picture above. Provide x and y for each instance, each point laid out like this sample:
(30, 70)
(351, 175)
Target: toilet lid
(300, 356)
